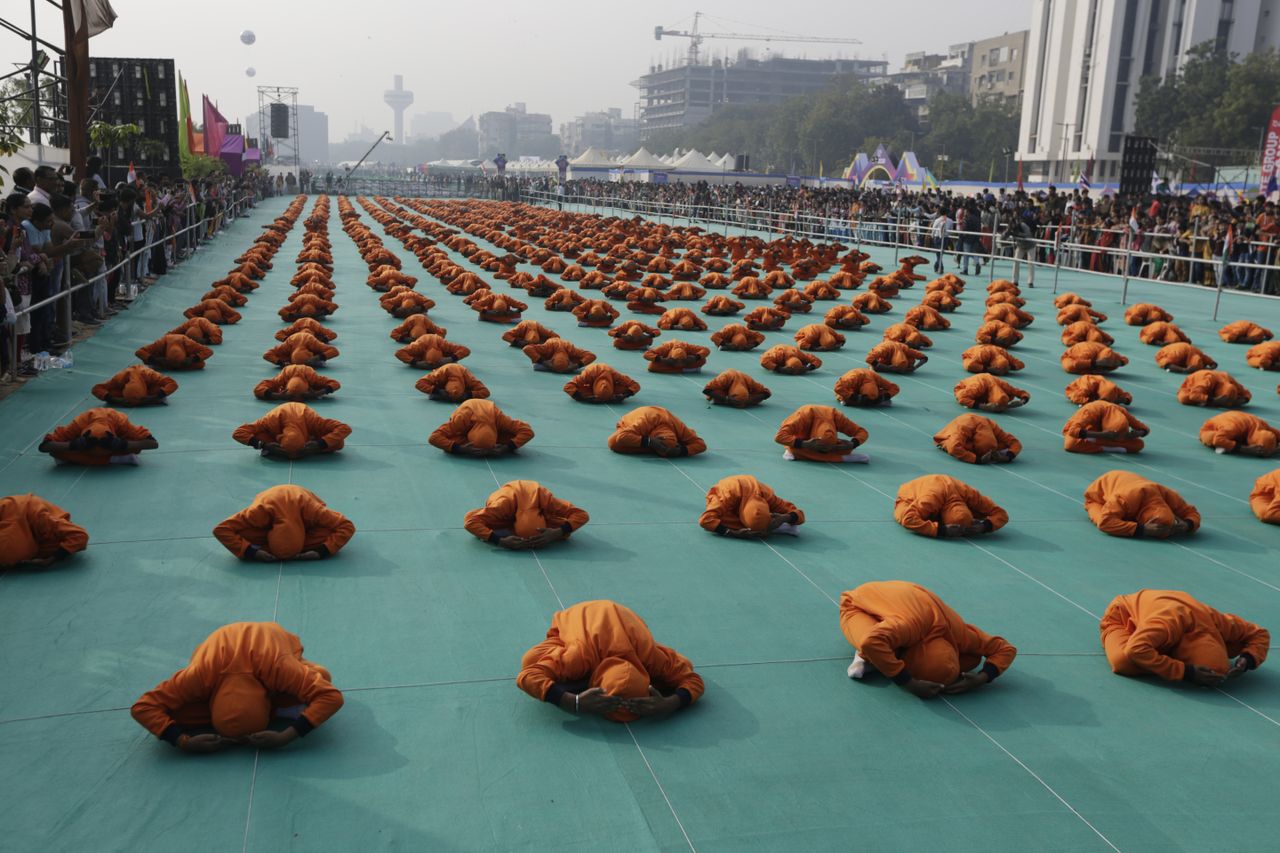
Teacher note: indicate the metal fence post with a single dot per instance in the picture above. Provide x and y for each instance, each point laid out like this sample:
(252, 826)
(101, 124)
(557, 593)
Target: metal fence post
(995, 245)
(66, 293)
(1057, 256)
(1124, 293)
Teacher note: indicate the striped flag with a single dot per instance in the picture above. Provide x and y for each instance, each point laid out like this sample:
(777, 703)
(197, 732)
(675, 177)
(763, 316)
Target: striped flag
(1084, 183)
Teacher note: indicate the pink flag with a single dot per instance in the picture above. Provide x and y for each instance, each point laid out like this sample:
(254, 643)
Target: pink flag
(215, 128)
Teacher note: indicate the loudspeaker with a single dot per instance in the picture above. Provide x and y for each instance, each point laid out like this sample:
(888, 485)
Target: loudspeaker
(742, 163)
(280, 121)
(1137, 165)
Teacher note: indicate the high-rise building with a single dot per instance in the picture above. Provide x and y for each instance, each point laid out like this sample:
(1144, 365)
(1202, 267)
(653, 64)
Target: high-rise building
(427, 125)
(1085, 59)
(607, 130)
(513, 131)
(143, 92)
(925, 74)
(997, 67)
(313, 135)
(687, 95)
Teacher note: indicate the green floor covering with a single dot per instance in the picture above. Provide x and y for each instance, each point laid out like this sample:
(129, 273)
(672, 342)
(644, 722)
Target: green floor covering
(423, 626)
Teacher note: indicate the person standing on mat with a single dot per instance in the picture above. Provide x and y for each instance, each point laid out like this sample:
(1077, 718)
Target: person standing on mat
(599, 658)
(908, 634)
(240, 678)
(1169, 634)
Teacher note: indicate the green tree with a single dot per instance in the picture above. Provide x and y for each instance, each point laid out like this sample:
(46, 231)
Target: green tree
(196, 167)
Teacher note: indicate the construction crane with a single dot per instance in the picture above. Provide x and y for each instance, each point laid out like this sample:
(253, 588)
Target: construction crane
(695, 37)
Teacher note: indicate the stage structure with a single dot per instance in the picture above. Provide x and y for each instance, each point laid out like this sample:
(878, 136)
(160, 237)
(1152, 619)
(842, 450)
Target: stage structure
(278, 126)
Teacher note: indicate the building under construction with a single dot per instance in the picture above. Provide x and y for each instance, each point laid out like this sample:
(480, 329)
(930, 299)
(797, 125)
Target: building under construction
(688, 94)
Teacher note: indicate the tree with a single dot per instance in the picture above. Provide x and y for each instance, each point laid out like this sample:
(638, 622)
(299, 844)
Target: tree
(1214, 101)
(108, 137)
(197, 167)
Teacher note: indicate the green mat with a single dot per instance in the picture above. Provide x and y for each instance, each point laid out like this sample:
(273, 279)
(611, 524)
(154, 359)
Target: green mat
(423, 626)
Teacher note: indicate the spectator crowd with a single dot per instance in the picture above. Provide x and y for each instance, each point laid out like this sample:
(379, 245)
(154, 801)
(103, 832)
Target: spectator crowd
(103, 244)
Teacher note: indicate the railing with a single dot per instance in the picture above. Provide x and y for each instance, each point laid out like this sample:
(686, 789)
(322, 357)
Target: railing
(125, 266)
(985, 247)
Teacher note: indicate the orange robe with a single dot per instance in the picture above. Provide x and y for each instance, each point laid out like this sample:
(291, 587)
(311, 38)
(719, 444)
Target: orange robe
(864, 387)
(940, 300)
(819, 338)
(1005, 298)
(871, 303)
(1144, 313)
(893, 354)
(736, 337)
(636, 426)
(988, 358)
(793, 302)
(415, 326)
(521, 508)
(736, 387)
(215, 311)
(600, 383)
(199, 330)
(681, 319)
(820, 422)
(997, 333)
(926, 505)
(601, 644)
(1163, 632)
(1160, 333)
(595, 313)
(685, 291)
(970, 437)
(1264, 500)
(633, 335)
(286, 520)
(676, 357)
(564, 300)
(528, 332)
(1006, 313)
(782, 358)
(1069, 298)
(1182, 357)
(926, 318)
(306, 324)
(405, 303)
(559, 356)
(1244, 332)
(295, 382)
(1076, 313)
(235, 679)
(905, 632)
(1101, 416)
(1084, 330)
(32, 528)
(226, 294)
(1264, 356)
(1119, 503)
(742, 502)
(134, 385)
(431, 351)
(1084, 357)
(907, 334)
(174, 352)
(307, 305)
(751, 287)
(300, 348)
(765, 319)
(821, 291)
(1212, 387)
(292, 425)
(100, 427)
(452, 383)
(1092, 387)
(985, 389)
(482, 424)
(1231, 430)
(722, 306)
(845, 317)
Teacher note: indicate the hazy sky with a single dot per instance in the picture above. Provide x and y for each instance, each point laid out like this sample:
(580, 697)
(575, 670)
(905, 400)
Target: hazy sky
(563, 57)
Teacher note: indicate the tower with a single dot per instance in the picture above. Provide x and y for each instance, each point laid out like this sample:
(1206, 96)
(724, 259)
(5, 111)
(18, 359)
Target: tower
(399, 99)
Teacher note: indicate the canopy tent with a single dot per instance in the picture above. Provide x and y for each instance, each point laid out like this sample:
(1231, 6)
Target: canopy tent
(642, 159)
(693, 161)
(727, 161)
(592, 157)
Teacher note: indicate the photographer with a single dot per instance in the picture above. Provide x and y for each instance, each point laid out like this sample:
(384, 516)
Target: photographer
(1018, 231)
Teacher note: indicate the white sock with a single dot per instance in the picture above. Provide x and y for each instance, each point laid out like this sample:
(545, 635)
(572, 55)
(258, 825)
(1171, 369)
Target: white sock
(1115, 450)
(858, 668)
(125, 459)
(788, 529)
(788, 455)
(856, 457)
(1219, 450)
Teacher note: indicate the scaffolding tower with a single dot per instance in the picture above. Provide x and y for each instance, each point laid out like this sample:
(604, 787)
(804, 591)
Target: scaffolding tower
(282, 150)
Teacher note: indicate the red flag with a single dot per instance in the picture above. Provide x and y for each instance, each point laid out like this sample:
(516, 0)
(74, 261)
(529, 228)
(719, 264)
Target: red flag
(215, 128)
(133, 176)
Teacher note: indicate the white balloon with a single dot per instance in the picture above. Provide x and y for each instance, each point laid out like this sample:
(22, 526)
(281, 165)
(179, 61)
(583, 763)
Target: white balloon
(249, 72)
(248, 37)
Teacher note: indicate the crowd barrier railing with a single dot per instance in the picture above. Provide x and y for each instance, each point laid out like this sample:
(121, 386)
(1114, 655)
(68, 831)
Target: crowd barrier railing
(987, 247)
(200, 231)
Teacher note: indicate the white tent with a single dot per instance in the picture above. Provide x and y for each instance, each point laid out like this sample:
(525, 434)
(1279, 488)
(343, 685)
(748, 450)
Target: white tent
(642, 159)
(726, 162)
(693, 161)
(591, 157)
